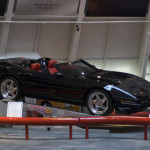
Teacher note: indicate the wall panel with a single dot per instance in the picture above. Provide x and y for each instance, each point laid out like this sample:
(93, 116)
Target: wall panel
(21, 38)
(122, 65)
(125, 40)
(92, 41)
(55, 40)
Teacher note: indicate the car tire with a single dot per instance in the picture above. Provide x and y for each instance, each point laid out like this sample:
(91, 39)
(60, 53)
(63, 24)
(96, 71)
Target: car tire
(10, 88)
(99, 103)
(47, 104)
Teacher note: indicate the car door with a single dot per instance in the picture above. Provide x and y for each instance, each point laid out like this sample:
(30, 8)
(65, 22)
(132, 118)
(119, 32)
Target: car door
(36, 84)
(71, 89)
(52, 86)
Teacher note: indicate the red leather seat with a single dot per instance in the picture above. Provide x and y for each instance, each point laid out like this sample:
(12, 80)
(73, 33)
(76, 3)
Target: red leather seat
(35, 67)
(51, 67)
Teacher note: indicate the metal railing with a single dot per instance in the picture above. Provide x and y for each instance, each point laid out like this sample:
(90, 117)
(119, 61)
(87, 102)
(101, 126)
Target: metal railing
(78, 121)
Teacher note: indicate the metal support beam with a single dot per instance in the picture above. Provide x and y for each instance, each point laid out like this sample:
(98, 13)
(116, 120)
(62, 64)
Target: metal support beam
(107, 45)
(37, 38)
(145, 57)
(76, 32)
(72, 22)
(145, 49)
(6, 27)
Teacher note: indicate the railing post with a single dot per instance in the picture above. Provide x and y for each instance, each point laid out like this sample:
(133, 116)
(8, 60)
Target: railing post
(87, 132)
(145, 132)
(27, 114)
(27, 132)
(70, 132)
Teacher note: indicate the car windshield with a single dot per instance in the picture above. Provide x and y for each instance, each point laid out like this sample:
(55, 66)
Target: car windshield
(76, 68)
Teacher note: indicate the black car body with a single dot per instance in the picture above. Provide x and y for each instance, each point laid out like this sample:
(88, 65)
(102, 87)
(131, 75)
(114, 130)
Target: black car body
(77, 82)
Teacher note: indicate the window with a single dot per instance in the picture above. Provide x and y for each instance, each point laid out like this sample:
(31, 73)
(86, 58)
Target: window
(117, 8)
(3, 4)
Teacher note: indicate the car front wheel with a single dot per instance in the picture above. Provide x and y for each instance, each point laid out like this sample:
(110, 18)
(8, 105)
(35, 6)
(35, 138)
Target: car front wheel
(10, 88)
(99, 103)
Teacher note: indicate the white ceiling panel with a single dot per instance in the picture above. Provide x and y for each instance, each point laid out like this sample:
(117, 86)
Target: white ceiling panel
(21, 38)
(55, 40)
(92, 41)
(125, 40)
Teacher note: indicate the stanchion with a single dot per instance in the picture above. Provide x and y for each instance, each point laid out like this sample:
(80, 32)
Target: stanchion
(70, 132)
(28, 114)
(145, 132)
(27, 132)
(87, 132)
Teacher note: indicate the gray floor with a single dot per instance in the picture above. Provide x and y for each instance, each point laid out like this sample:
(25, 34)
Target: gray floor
(57, 138)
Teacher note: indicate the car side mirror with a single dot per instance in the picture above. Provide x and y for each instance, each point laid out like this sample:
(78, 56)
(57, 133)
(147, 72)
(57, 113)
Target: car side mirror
(59, 75)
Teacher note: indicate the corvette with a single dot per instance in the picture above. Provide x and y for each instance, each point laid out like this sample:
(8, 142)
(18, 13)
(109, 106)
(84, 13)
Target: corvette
(76, 82)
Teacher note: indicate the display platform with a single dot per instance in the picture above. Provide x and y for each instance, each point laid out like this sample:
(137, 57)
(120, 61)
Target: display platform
(35, 110)
(53, 117)
(42, 111)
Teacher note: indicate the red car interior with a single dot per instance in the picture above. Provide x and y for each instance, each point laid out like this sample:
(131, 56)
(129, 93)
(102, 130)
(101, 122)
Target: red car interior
(51, 67)
(35, 67)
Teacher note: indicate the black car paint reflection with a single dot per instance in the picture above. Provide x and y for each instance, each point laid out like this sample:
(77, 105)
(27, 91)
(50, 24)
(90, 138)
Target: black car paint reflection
(77, 83)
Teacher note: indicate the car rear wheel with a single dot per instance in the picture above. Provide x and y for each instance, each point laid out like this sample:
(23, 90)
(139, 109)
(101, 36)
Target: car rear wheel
(47, 104)
(10, 88)
(99, 103)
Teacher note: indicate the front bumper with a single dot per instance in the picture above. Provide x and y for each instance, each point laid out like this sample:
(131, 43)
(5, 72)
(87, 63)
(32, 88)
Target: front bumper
(131, 106)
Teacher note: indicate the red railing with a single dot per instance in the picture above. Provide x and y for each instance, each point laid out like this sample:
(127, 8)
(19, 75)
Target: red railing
(39, 122)
(81, 121)
(121, 120)
(139, 114)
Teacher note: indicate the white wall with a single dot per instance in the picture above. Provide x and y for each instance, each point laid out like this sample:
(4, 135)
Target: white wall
(147, 77)
(125, 40)
(113, 46)
(21, 38)
(123, 49)
(123, 65)
(92, 41)
(55, 40)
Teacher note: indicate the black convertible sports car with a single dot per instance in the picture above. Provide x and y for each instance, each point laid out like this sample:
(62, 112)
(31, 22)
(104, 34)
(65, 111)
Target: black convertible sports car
(75, 82)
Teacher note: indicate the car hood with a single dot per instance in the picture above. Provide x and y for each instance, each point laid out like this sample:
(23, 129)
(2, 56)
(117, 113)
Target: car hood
(110, 77)
(132, 84)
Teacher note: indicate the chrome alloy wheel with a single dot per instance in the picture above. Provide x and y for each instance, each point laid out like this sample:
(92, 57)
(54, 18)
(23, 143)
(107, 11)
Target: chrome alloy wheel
(98, 103)
(8, 89)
